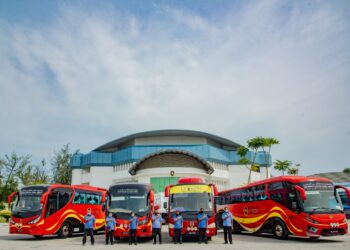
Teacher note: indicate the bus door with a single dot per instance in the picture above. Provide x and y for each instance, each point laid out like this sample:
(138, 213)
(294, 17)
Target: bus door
(57, 199)
(286, 196)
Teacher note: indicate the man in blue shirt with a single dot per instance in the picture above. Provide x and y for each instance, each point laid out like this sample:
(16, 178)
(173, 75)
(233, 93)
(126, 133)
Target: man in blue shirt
(178, 224)
(227, 219)
(89, 225)
(202, 226)
(133, 220)
(157, 227)
(110, 226)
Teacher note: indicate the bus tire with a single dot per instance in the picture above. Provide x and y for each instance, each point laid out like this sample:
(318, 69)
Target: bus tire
(65, 230)
(279, 230)
(236, 229)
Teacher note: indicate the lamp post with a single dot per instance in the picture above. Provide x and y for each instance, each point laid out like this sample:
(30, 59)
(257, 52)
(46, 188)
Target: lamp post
(297, 167)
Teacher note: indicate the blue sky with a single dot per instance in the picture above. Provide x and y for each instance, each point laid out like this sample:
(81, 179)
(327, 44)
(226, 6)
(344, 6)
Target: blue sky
(87, 72)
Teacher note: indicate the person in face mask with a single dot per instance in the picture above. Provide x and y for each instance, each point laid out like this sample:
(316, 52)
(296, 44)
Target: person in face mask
(157, 227)
(178, 224)
(110, 227)
(227, 219)
(202, 226)
(89, 225)
(133, 220)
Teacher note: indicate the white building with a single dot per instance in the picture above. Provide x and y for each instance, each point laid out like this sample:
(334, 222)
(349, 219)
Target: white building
(161, 157)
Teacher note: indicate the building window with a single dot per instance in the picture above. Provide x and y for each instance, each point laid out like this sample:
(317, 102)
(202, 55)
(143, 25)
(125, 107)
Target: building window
(86, 170)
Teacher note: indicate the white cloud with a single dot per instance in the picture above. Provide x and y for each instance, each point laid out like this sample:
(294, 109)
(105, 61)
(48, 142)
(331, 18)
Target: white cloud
(265, 68)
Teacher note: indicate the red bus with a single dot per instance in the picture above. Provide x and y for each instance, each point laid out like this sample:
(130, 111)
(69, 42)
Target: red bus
(129, 197)
(55, 209)
(188, 196)
(287, 205)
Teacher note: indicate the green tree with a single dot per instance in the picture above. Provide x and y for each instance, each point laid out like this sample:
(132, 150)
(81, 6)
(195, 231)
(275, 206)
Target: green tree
(268, 143)
(282, 165)
(33, 174)
(10, 167)
(62, 172)
(292, 171)
(346, 170)
(254, 144)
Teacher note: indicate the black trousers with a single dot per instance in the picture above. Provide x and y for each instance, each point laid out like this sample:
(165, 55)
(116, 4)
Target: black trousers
(89, 231)
(228, 231)
(109, 236)
(132, 236)
(177, 235)
(155, 232)
(202, 234)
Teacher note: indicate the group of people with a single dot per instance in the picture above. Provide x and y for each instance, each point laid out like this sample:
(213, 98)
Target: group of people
(157, 220)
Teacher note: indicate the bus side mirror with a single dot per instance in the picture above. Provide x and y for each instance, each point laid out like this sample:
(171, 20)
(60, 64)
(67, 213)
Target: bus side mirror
(10, 197)
(43, 197)
(166, 191)
(215, 189)
(165, 205)
(151, 197)
(347, 191)
(301, 191)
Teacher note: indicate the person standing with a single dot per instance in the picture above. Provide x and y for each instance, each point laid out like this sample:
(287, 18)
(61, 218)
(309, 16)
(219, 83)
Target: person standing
(110, 226)
(133, 220)
(89, 225)
(202, 226)
(157, 227)
(227, 219)
(178, 224)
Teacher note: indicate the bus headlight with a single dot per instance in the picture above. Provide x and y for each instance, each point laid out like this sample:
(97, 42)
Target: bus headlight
(311, 220)
(212, 225)
(143, 222)
(35, 220)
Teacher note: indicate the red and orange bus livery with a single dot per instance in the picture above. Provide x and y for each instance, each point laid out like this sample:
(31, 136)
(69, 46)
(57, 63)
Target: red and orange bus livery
(55, 209)
(287, 205)
(188, 196)
(135, 197)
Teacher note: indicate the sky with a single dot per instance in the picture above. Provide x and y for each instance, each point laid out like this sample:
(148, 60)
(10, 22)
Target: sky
(88, 72)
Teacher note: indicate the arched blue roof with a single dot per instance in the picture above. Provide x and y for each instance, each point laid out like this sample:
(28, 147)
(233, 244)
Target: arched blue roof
(115, 144)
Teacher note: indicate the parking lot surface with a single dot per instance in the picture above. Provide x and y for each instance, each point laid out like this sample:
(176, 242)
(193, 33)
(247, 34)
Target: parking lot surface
(241, 241)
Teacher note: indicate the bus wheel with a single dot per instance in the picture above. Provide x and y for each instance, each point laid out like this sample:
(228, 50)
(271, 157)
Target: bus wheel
(38, 237)
(236, 229)
(65, 230)
(279, 230)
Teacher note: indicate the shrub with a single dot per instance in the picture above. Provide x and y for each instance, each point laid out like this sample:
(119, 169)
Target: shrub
(2, 206)
(6, 214)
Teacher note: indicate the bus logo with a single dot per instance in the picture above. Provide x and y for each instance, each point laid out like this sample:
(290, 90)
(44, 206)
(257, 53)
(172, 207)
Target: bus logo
(245, 210)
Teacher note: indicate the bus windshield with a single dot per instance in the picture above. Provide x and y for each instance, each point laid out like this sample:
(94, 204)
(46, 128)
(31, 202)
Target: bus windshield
(321, 198)
(125, 199)
(190, 202)
(28, 202)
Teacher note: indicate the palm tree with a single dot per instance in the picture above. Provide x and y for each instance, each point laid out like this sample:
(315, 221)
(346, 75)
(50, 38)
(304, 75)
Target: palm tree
(242, 152)
(282, 165)
(268, 142)
(292, 171)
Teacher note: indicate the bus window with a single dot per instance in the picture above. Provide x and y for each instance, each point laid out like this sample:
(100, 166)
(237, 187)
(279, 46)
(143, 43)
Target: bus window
(284, 194)
(57, 199)
(79, 198)
(51, 206)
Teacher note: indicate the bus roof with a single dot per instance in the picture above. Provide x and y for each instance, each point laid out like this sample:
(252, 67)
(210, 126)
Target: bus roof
(292, 179)
(132, 184)
(85, 187)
